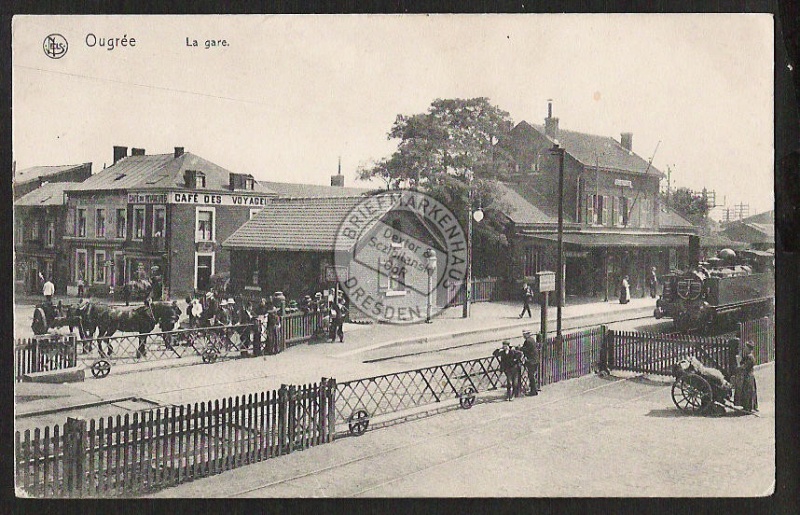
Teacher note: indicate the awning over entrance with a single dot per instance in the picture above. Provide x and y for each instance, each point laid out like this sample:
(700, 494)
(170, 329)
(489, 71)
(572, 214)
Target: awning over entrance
(617, 239)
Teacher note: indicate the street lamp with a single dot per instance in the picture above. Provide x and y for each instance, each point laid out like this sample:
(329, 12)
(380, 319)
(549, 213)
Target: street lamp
(559, 151)
(430, 255)
(477, 215)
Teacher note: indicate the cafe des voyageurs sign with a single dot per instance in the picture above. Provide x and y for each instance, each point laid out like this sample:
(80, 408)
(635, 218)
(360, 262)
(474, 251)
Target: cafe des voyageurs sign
(199, 199)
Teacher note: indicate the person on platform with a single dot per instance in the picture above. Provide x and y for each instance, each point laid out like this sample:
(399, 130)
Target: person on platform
(652, 282)
(81, 286)
(531, 349)
(625, 291)
(338, 313)
(746, 393)
(275, 342)
(510, 364)
(48, 289)
(527, 298)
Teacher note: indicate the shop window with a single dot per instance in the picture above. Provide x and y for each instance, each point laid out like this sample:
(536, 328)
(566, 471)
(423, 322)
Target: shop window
(392, 276)
(138, 223)
(100, 223)
(50, 237)
(80, 264)
(121, 222)
(100, 266)
(606, 210)
(205, 225)
(159, 221)
(80, 224)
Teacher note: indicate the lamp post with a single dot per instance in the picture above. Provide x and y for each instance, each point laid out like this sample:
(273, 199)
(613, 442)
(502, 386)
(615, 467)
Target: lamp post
(478, 216)
(559, 151)
(430, 255)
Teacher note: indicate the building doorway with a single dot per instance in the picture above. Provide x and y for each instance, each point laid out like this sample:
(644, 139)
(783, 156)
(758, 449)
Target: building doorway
(204, 269)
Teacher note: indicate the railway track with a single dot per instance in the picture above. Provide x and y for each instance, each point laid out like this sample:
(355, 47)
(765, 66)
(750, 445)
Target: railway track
(435, 440)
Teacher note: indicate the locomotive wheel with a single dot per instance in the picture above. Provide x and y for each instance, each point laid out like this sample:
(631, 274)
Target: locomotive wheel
(101, 368)
(467, 397)
(358, 422)
(209, 355)
(692, 393)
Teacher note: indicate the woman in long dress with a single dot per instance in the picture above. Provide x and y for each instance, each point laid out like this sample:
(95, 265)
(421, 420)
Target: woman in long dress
(746, 394)
(625, 291)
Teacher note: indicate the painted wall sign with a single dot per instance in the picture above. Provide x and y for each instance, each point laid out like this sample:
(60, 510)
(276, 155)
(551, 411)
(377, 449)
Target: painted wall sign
(217, 199)
(147, 198)
(198, 199)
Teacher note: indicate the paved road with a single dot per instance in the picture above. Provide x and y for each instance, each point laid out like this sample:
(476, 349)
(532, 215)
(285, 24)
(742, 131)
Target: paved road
(585, 437)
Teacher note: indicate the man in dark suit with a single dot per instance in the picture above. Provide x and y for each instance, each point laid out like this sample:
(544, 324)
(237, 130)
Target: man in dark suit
(531, 349)
(527, 298)
(510, 364)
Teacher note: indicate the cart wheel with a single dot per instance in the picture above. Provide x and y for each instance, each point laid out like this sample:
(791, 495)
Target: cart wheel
(209, 355)
(358, 422)
(467, 397)
(692, 393)
(101, 368)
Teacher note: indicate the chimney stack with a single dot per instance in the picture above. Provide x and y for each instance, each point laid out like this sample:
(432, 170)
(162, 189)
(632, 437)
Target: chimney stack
(338, 179)
(626, 140)
(137, 151)
(178, 152)
(119, 153)
(550, 123)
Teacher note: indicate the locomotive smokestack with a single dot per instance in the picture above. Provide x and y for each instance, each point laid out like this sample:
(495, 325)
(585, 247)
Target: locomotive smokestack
(694, 250)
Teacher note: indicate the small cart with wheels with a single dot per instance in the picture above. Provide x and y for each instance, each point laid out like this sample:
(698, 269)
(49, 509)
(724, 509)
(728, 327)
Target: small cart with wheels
(701, 390)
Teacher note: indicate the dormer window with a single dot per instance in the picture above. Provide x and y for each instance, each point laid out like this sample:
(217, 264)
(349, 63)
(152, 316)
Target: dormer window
(249, 183)
(200, 180)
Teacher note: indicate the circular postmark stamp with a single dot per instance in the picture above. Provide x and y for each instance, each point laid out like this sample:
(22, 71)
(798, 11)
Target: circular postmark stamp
(399, 256)
(55, 46)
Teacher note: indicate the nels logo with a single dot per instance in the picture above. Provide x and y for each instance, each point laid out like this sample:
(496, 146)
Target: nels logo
(55, 46)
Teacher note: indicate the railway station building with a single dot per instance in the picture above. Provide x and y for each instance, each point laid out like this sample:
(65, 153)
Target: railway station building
(168, 210)
(614, 221)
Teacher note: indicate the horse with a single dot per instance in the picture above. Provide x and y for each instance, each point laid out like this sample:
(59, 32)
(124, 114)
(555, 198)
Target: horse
(166, 315)
(140, 289)
(138, 320)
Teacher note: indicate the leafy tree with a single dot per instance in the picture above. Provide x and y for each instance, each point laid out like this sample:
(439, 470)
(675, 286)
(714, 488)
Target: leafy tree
(446, 152)
(688, 204)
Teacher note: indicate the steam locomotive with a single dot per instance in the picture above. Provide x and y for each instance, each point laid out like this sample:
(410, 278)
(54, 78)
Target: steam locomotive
(719, 291)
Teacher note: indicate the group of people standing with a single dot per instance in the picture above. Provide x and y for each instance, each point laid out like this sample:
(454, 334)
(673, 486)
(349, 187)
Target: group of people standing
(513, 360)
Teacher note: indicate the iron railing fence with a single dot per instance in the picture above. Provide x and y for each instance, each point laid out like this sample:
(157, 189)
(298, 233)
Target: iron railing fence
(483, 290)
(360, 400)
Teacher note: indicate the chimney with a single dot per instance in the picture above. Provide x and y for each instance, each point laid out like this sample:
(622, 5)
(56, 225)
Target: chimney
(137, 151)
(626, 140)
(338, 179)
(178, 152)
(119, 153)
(550, 123)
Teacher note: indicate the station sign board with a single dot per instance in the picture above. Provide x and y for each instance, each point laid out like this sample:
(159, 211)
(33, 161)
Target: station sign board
(546, 281)
(336, 273)
(624, 183)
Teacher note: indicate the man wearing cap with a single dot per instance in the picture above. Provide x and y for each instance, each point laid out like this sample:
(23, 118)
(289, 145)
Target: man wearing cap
(746, 394)
(531, 351)
(510, 361)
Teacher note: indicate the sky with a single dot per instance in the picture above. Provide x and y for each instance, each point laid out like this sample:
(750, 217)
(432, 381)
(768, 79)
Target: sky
(289, 95)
